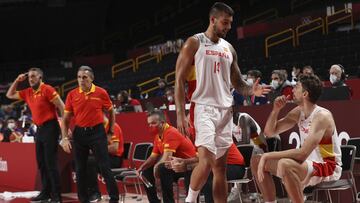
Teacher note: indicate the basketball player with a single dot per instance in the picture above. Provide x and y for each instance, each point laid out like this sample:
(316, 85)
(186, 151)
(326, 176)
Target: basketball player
(318, 159)
(216, 68)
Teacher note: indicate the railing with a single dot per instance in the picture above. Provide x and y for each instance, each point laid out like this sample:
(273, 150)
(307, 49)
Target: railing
(268, 45)
(170, 78)
(151, 88)
(318, 26)
(145, 58)
(348, 14)
(124, 65)
(67, 86)
(261, 17)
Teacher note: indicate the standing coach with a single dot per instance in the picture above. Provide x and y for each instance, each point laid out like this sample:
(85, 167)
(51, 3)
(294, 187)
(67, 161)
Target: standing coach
(87, 104)
(43, 101)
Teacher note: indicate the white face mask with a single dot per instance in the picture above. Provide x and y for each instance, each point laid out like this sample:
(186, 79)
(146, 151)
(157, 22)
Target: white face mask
(275, 84)
(170, 98)
(11, 126)
(333, 79)
(250, 81)
(293, 74)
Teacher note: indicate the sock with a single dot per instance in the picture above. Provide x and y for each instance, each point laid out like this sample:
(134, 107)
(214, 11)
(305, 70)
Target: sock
(192, 195)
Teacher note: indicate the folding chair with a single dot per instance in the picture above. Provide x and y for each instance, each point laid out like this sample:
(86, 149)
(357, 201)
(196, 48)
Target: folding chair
(356, 142)
(141, 152)
(126, 156)
(348, 153)
(246, 150)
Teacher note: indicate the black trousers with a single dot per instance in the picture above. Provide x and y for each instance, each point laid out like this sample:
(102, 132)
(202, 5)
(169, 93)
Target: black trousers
(233, 172)
(94, 139)
(46, 143)
(167, 178)
(93, 170)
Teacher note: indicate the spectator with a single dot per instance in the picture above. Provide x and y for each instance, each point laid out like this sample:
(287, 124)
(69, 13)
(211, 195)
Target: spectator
(137, 93)
(279, 86)
(169, 93)
(126, 101)
(252, 76)
(337, 75)
(9, 112)
(11, 131)
(162, 85)
(307, 70)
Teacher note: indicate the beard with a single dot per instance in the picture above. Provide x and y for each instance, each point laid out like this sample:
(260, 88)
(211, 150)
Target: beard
(35, 86)
(219, 33)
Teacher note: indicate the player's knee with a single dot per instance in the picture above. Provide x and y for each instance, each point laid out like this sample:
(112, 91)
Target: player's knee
(219, 168)
(284, 167)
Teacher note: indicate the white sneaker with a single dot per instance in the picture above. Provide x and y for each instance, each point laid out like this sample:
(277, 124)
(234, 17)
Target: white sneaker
(233, 195)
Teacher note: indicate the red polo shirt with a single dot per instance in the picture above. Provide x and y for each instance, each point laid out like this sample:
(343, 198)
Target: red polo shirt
(172, 140)
(117, 137)
(88, 107)
(40, 102)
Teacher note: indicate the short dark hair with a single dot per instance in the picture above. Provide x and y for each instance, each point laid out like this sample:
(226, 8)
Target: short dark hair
(313, 85)
(158, 112)
(125, 95)
(87, 68)
(308, 67)
(255, 73)
(38, 70)
(220, 7)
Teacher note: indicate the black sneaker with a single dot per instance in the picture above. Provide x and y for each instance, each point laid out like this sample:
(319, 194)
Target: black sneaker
(42, 197)
(95, 197)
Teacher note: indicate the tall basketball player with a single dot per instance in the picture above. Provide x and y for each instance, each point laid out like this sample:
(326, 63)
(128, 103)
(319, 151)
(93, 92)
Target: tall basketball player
(212, 62)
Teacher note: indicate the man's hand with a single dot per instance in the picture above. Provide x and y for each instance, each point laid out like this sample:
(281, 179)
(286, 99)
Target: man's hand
(21, 77)
(178, 165)
(280, 102)
(138, 172)
(261, 168)
(66, 145)
(183, 124)
(260, 90)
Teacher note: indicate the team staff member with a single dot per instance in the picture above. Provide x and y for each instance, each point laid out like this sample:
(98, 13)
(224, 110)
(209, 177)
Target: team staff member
(87, 103)
(43, 101)
(116, 151)
(167, 142)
